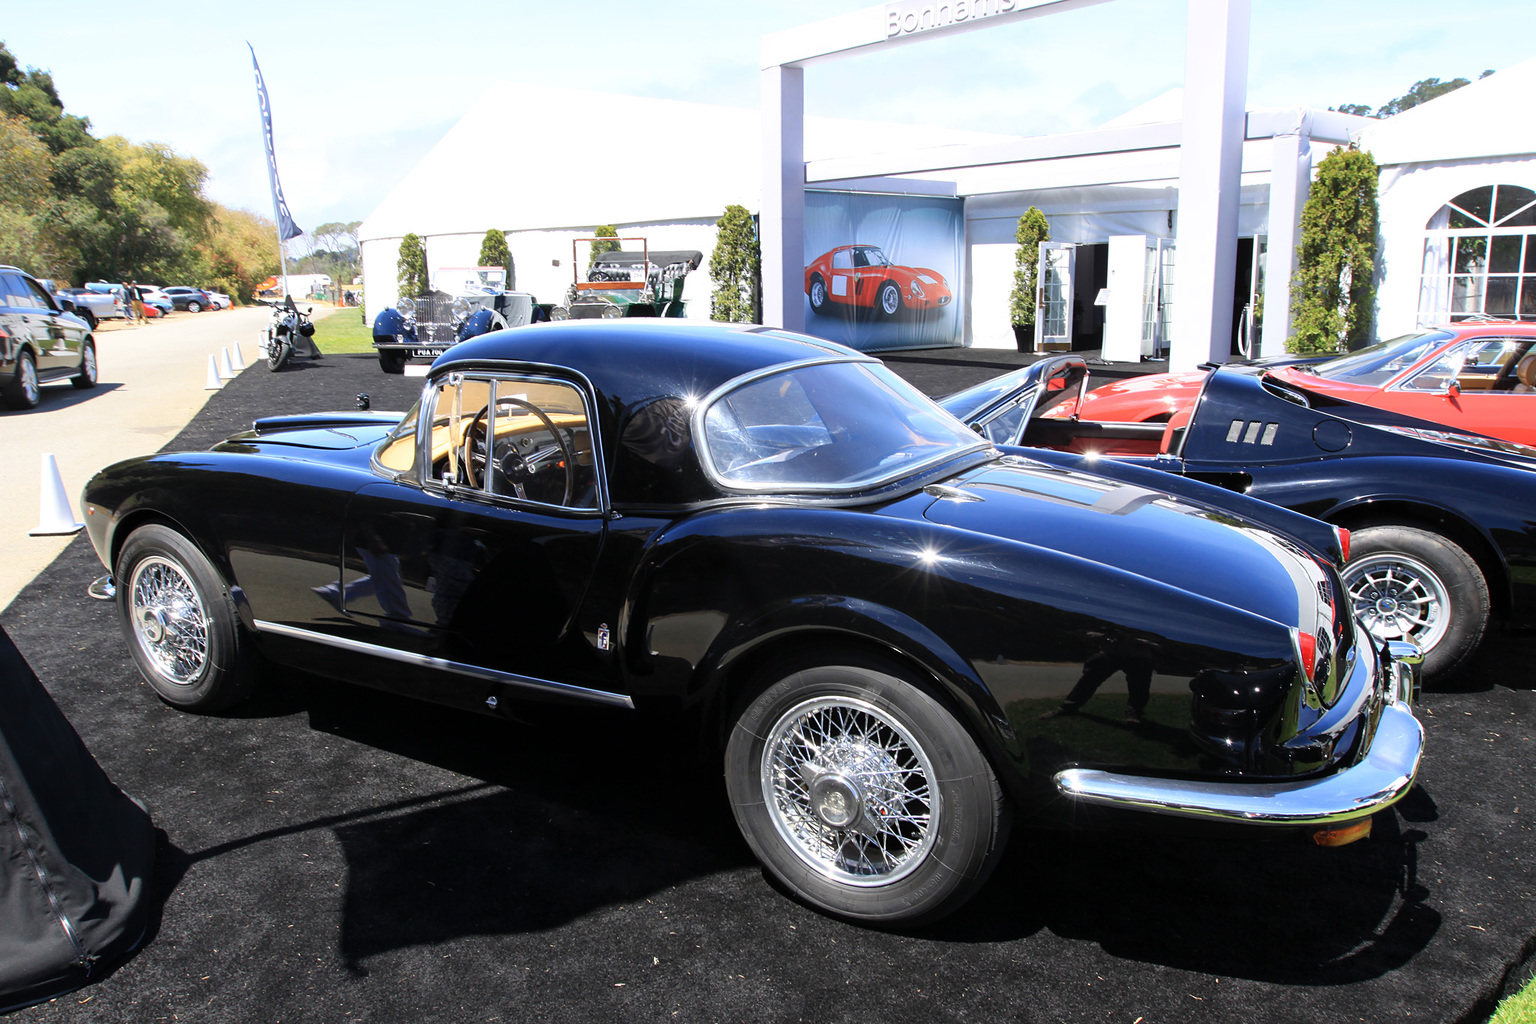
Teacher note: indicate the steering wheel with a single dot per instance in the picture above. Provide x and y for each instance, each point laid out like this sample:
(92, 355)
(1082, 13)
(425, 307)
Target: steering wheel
(516, 466)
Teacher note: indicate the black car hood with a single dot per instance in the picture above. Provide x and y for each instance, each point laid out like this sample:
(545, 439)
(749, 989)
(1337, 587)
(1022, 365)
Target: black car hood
(1196, 548)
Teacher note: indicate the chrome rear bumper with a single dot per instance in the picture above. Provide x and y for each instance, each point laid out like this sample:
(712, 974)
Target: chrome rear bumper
(1376, 780)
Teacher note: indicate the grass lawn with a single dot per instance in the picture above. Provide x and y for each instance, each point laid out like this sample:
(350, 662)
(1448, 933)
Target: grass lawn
(344, 331)
(1519, 1008)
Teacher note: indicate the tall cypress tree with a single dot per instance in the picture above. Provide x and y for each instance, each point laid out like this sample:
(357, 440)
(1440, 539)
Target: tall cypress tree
(494, 253)
(736, 266)
(1334, 288)
(412, 267)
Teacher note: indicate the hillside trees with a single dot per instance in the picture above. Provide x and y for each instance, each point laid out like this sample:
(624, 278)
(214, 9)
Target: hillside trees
(77, 208)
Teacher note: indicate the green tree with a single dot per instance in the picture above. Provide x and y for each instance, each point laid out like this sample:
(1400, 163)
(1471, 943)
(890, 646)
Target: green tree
(26, 190)
(598, 248)
(736, 266)
(31, 96)
(494, 253)
(240, 252)
(1422, 92)
(1334, 287)
(1032, 230)
(412, 267)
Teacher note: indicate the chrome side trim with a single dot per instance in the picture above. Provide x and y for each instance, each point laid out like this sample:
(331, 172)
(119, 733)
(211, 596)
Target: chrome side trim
(490, 675)
(1378, 780)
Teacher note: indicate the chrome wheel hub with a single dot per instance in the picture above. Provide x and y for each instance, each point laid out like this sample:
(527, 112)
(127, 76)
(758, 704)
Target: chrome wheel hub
(849, 791)
(168, 619)
(1399, 598)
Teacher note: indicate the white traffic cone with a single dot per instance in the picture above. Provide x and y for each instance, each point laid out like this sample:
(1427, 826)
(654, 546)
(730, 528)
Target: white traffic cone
(226, 368)
(214, 383)
(237, 361)
(55, 517)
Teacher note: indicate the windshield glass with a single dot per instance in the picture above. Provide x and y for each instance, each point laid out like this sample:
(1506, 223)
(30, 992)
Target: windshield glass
(827, 427)
(1379, 363)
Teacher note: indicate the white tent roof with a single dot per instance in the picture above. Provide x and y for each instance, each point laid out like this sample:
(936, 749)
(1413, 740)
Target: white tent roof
(536, 156)
(1483, 119)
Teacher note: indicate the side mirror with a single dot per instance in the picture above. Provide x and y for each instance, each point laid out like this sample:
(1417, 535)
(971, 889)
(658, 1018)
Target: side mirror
(1453, 388)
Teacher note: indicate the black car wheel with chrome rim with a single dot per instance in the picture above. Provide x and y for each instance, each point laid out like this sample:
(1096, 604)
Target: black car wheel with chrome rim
(180, 623)
(863, 794)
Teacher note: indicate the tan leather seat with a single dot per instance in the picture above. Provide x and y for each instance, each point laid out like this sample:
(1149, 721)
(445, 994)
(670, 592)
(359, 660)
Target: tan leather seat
(1525, 370)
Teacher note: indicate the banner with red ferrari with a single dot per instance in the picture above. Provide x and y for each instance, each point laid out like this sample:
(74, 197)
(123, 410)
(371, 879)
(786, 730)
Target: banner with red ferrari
(882, 271)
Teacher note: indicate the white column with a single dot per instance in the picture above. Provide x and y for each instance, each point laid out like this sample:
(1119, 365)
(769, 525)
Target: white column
(1127, 282)
(1210, 176)
(782, 216)
(1290, 177)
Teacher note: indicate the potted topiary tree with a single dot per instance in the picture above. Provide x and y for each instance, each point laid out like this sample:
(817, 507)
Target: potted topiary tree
(1032, 230)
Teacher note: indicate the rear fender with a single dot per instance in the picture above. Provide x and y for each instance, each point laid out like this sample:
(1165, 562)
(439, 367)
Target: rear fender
(739, 651)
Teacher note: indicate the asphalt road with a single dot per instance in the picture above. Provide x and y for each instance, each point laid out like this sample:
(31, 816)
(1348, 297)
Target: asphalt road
(332, 853)
(152, 382)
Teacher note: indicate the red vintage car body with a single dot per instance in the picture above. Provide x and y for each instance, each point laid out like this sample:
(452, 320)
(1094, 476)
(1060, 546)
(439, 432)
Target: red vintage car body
(1475, 377)
(861, 277)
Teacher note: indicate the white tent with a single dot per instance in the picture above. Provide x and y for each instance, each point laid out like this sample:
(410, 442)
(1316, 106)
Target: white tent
(547, 164)
(1465, 141)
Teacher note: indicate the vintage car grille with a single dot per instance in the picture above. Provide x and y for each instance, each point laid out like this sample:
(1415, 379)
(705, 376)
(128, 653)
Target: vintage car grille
(434, 321)
(588, 310)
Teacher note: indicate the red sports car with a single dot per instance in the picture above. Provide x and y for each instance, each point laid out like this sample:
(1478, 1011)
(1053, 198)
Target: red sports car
(1474, 377)
(859, 277)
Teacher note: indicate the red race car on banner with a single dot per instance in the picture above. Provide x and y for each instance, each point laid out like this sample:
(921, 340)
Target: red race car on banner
(1474, 377)
(860, 278)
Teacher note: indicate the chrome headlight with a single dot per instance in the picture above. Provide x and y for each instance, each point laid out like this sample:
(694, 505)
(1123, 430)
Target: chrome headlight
(406, 308)
(559, 313)
(612, 312)
(461, 309)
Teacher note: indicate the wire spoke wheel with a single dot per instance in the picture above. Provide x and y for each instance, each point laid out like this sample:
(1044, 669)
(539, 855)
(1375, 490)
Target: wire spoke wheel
(849, 791)
(860, 791)
(169, 620)
(1399, 598)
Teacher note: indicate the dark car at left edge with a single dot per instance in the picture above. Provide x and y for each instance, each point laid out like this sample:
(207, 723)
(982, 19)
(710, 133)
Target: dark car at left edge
(40, 341)
(888, 635)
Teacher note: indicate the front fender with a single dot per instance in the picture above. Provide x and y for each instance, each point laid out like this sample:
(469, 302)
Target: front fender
(482, 321)
(389, 326)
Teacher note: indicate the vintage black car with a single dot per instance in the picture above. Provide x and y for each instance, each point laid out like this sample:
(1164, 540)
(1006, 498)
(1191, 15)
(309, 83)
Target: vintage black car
(463, 303)
(887, 632)
(1442, 524)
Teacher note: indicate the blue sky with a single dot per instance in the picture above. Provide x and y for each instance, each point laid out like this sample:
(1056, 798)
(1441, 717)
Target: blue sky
(360, 91)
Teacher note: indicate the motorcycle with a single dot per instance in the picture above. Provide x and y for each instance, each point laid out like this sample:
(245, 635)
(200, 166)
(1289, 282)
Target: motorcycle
(289, 335)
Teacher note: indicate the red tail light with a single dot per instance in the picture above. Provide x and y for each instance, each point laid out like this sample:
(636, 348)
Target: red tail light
(1306, 652)
(1343, 536)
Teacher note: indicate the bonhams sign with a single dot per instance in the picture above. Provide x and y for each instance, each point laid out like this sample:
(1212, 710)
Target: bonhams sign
(913, 16)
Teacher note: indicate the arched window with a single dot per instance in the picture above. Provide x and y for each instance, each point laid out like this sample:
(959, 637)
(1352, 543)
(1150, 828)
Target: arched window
(1480, 257)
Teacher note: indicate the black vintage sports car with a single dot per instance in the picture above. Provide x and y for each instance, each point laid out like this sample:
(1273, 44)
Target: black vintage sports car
(890, 634)
(1442, 524)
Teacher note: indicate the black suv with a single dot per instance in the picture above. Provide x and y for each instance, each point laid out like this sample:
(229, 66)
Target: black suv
(39, 341)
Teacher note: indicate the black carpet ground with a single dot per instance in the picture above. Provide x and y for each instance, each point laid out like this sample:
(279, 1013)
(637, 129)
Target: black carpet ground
(334, 854)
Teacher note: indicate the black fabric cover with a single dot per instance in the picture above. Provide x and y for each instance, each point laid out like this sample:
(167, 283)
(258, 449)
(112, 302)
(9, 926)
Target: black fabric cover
(76, 853)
